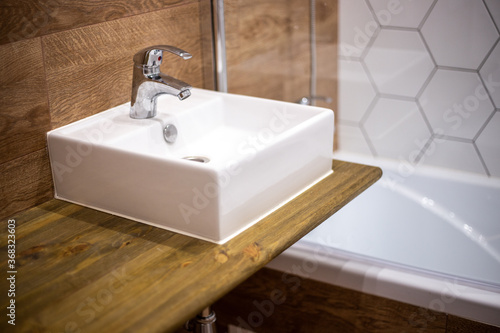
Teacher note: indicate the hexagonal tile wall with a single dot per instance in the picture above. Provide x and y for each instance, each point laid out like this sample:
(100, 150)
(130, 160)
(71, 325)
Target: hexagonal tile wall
(353, 139)
(402, 13)
(356, 90)
(355, 31)
(434, 69)
(487, 144)
(397, 129)
(456, 103)
(494, 9)
(452, 31)
(490, 73)
(399, 62)
(462, 155)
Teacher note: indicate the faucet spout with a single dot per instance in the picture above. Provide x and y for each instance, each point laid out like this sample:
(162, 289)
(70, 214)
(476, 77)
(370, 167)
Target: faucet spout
(148, 82)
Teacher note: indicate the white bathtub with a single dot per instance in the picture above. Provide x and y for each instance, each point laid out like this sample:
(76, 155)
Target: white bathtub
(428, 238)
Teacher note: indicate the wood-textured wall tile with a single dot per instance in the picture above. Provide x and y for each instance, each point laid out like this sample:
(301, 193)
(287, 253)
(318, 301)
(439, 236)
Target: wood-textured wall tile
(273, 301)
(27, 19)
(24, 112)
(257, 43)
(460, 325)
(89, 69)
(268, 47)
(25, 182)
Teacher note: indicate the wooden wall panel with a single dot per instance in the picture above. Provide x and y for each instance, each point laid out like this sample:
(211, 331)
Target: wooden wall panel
(268, 48)
(258, 58)
(90, 69)
(81, 64)
(461, 325)
(274, 302)
(27, 19)
(24, 116)
(25, 182)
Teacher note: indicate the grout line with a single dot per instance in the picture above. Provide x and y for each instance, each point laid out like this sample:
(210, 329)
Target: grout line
(423, 150)
(485, 167)
(457, 69)
(369, 143)
(426, 16)
(398, 97)
(488, 55)
(396, 28)
(372, 11)
(426, 120)
(427, 47)
(426, 83)
(178, 4)
(481, 129)
(491, 16)
(49, 108)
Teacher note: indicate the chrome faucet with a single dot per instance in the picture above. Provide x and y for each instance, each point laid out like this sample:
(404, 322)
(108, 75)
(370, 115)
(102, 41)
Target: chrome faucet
(148, 82)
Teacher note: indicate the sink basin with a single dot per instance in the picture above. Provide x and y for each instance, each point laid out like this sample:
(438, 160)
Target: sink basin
(235, 159)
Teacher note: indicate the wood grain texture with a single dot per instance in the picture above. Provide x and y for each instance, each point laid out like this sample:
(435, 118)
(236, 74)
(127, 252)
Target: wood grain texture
(268, 48)
(277, 302)
(461, 325)
(27, 19)
(82, 269)
(258, 43)
(24, 111)
(90, 69)
(25, 182)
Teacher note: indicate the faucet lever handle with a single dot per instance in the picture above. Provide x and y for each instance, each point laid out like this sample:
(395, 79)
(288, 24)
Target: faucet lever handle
(152, 56)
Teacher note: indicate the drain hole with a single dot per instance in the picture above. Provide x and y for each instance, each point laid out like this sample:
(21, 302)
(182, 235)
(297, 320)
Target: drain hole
(201, 159)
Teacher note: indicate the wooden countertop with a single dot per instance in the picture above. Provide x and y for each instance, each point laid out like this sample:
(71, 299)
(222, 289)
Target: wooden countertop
(81, 270)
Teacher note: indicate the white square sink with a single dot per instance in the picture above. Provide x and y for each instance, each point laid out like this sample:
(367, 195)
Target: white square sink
(248, 156)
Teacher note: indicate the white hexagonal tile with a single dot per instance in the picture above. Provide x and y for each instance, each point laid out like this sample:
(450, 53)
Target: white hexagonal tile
(396, 129)
(355, 91)
(459, 33)
(488, 144)
(399, 62)
(494, 7)
(490, 72)
(453, 155)
(352, 140)
(456, 103)
(356, 27)
(400, 13)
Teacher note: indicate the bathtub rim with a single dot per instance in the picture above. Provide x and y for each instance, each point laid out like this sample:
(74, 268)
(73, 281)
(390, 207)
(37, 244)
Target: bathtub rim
(429, 289)
(449, 295)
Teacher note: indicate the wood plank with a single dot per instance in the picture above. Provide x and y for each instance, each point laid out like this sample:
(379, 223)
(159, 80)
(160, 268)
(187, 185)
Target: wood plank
(460, 325)
(24, 111)
(90, 69)
(25, 182)
(83, 269)
(258, 42)
(268, 48)
(273, 301)
(27, 19)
